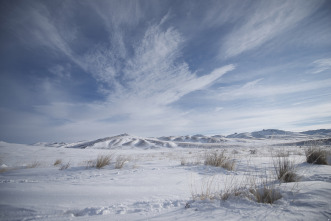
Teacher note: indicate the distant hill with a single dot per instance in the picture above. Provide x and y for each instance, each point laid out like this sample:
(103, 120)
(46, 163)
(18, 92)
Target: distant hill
(324, 132)
(265, 134)
(281, 134)
(126, 141)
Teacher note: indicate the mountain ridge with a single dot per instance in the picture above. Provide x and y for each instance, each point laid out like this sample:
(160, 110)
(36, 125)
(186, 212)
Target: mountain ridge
(124, 141)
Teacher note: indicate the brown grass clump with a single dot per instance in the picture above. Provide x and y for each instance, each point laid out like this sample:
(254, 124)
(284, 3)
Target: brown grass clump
(316, 156)
(266, 194)
(102, 161)
(57, 162)
(219, 160)
(285, 170)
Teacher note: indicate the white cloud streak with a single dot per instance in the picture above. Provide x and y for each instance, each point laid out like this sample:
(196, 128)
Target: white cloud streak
(266, 21)
(322, 65)
(151, 79)
(254, 89)
(142, 76)
(37, 27)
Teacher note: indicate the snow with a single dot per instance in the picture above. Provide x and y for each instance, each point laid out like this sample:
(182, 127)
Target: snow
(163, 179)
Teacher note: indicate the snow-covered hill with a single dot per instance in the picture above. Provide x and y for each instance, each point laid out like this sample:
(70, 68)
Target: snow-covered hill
(123, 141)
(126, 141)
(269, 134)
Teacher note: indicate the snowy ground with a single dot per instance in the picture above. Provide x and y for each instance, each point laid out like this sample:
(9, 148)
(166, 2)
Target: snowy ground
(156, 184)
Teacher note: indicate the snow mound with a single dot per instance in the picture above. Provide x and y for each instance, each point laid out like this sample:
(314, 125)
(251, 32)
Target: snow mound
(123, 141)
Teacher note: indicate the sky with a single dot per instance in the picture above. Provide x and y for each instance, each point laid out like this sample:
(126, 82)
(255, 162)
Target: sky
(80, 70)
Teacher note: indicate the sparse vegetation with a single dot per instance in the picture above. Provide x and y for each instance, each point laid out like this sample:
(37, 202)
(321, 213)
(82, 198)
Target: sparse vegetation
(283, 153)
(90, 164)
(266, 194)
(316, 156)
(207, 191)
(219, 160)
(234, 190)
(65, 166)
(103, 160)
(120, 161)
(190, 162)
(285, 169)
(3, 169)
(57, 162)
(261, 193)
(253, 151)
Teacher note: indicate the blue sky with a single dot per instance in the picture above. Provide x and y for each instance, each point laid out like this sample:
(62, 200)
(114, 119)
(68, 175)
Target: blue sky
(79, 70)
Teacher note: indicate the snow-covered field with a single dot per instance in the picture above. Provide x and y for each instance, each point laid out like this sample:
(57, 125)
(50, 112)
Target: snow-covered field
(162, 179)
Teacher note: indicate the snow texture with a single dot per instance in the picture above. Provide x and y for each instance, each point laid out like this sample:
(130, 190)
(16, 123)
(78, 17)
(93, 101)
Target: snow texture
(162, 179)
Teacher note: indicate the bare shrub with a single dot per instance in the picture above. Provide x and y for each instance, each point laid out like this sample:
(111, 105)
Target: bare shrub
(219, 160)
(285, 170)
(103, 160)
(316, 156)
(57, 162)
(120, 161)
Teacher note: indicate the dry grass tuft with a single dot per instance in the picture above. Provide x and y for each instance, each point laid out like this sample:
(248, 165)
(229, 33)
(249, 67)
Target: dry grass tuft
(65, 166)
(266, 194)
(219, 160)
(120, 161)
(207, 191)
(316, 156)
(4, 169)
(285, 170)
(90, 164)
(283, 153)
(102, 161)
(236, 190)
(57, 162)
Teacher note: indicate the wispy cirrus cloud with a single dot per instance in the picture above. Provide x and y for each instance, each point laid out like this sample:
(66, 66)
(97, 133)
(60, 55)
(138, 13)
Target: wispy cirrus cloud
(154, 72)
(141, 89)
(265, 21)
(322, 65)
(254, 89)
(40, 29)
(157, 72)
(158, 68)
